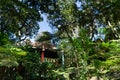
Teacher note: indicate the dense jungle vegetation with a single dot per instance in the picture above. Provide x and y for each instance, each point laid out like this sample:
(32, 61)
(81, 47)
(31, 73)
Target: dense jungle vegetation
(86, 31)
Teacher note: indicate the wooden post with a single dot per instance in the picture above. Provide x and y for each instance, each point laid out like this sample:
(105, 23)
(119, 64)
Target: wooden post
(42, 54)
(62, 55)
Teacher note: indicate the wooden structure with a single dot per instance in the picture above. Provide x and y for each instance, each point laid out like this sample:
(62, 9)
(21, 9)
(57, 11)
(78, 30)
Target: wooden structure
(48, 52)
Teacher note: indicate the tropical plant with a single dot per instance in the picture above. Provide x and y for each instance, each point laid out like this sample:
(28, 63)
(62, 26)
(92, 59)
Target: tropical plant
(18, 19)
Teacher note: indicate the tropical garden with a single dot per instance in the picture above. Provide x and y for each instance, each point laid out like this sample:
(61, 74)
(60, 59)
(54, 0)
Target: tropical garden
(85, 32)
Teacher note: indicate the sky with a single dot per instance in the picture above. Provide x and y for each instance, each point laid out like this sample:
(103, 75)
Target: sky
(44, 26)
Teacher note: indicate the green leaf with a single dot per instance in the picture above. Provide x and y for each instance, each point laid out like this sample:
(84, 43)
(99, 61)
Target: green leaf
(18, 51)
(105, 44)
(8, 63)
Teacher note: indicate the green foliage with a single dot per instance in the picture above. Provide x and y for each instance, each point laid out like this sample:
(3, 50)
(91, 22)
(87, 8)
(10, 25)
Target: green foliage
(45, 36)
(9, 55)
(106, 59)
(105, 45)
(77, 52)
(17, 16)
(68, 10)
(4, 39)
(94, 18)
(18, 51)
(8, 62)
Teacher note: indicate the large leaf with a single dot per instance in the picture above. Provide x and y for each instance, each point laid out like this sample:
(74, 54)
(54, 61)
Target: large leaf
(18, 51)
(8, 63)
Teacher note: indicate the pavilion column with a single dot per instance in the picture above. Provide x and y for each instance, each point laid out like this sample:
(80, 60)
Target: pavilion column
(42, 54)
(62, 55)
